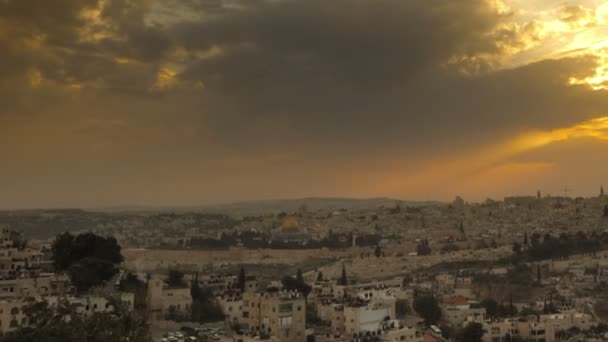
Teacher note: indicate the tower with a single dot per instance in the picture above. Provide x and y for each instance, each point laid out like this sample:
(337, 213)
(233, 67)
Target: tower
(602, 191)
(155, 292)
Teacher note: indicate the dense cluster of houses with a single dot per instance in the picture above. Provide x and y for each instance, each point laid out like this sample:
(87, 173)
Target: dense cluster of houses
(26, 277)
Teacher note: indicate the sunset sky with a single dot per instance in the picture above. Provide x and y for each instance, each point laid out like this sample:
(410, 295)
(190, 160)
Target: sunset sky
(190, 102)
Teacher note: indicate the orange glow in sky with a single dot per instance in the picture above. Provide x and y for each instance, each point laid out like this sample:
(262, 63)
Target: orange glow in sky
(495, 164)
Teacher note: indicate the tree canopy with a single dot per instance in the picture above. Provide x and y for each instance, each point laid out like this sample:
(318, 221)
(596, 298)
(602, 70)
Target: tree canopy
(64, 324)
(423, 247)
(549, 247)
(175, 279)
(473, 332)
(297, 284)
(242, 279)
(89, 259)
(205, 307)
(428, 308)
(343, 279)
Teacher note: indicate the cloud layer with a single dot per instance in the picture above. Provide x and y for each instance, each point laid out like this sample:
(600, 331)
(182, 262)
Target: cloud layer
(177, 102)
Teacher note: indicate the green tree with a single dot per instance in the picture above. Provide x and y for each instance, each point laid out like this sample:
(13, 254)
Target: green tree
(312, 318)
(516, 248)
(89, 259)
(491, 307)
(63, 323)
(90, 272)
(195, 289)
(343, 279)
(175, 279)
(205, 307)
(423, 247)
(407, 280)
(297, 284)
(473, 332)
(132, 284)
(242, 279)
(428, 308)
(402, 308)
(378, 252)
(507, 310)
(299, 276)
(62, 251)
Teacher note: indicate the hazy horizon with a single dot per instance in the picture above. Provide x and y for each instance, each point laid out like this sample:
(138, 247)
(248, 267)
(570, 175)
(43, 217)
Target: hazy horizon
(566, 192)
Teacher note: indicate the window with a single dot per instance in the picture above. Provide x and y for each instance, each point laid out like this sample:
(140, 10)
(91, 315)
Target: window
(285, 321)
(285, 307)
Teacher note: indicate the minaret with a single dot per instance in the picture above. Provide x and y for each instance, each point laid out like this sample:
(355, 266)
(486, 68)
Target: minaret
(602, 191)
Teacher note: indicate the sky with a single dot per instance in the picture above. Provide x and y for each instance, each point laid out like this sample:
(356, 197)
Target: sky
(192, 102)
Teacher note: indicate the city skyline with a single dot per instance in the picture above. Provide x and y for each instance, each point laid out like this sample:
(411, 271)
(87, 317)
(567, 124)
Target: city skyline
(184, 103)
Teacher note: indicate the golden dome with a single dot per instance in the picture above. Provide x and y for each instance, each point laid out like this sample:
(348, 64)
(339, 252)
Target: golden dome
(290, 224)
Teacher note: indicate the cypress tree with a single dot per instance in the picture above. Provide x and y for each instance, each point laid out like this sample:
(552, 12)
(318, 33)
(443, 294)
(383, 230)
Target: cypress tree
(242, 279)
(343, 280)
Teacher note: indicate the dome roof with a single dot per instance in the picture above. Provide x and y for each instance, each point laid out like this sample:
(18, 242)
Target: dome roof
(290, 224)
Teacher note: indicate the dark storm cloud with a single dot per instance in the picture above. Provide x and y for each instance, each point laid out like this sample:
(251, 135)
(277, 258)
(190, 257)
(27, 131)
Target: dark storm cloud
(342, 73)
(375, 73)
(144, 42)
(66, 47)
(57, 19)
(369, 43)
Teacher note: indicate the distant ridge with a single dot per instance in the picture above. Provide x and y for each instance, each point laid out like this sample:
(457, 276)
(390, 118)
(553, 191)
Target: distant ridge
(259, 207)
